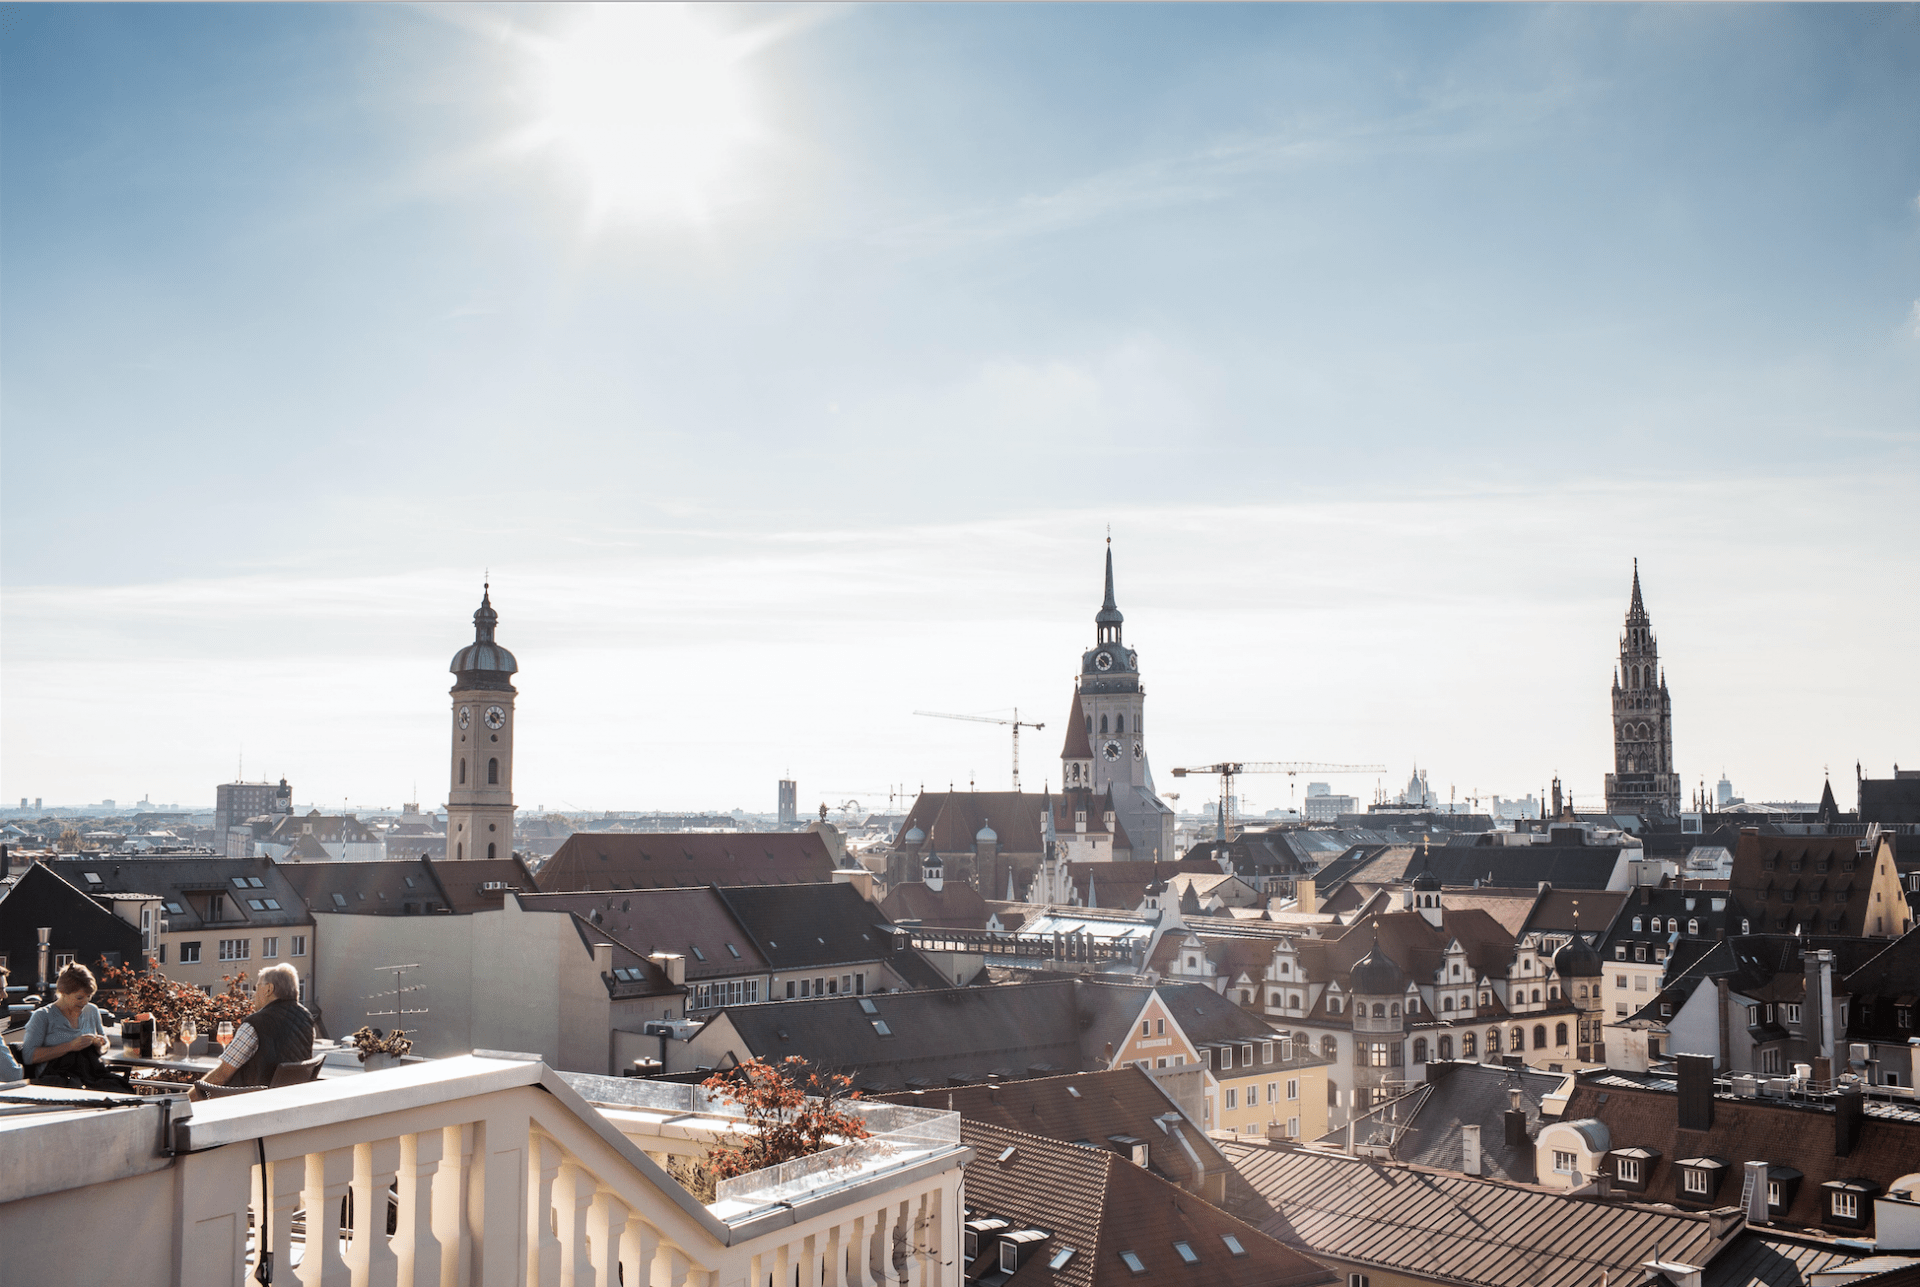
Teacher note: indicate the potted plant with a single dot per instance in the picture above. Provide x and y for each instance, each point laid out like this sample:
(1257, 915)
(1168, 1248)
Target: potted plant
(380, 1050)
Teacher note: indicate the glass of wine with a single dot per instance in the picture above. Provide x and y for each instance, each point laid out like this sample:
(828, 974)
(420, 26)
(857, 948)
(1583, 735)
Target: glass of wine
(224, 1033)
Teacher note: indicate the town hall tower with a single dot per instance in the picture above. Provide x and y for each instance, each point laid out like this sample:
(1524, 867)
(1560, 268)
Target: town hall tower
(1643, 780)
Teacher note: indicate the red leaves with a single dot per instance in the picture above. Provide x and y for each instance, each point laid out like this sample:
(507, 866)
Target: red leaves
(791, 1110)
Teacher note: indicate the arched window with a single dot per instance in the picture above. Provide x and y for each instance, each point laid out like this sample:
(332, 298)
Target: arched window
(1293, 1001)
(1333, 1005)
(1636, 924)
(1746, 926)
(1089, 723)
(1379, 1011)
(463, 771)
(1493, 1041)
(459, 851)
(1518, 1041)
(1539, 1036)
(1413, 1005)
(1419, 1050)
(1536, 996)
(1693, 925)
(1559, 1034)
(1446, 1004)
(493, 772)
(1466, 1045)
(1103, 723)
(489, 849)
(1119, 723)
(1446, 1047)
(1393, 1011)
(1329, 1046)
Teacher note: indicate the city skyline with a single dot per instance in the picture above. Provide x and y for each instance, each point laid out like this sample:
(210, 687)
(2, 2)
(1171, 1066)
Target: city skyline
(800, 398)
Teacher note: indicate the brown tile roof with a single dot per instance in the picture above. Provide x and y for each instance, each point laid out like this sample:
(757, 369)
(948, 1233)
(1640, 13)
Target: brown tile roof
(1076, 746)
(1102, 1205)
(1086, 1108)
(1554, 912)
(1125, 879)
(465, 883)
(956, 905)
(1509, 908)
(1744, 1130)
(667, 920)
(1822, 863)
(951, 820)
(599, 860)
(1450, 1228)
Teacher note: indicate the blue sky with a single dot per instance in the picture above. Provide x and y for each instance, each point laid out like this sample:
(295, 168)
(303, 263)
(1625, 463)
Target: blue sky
(1384, 337)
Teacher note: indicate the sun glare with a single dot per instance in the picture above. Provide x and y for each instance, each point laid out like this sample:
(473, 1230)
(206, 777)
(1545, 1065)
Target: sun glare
(651, 105)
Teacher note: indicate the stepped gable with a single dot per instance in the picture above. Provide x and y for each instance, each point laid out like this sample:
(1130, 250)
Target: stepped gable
(606, 860)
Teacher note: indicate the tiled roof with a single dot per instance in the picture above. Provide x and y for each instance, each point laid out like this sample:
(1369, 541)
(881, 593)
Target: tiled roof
(1464, 1094)
(1076, 746)
(1115, 883)
(1105, 1208)
(1822, 863)
(1799, 1135)
(1766, 1258)
(955, 905)
(1087, 1108)
(1453, 1228)
(466, 883)
(186, 882)
(390, 887)
(952, 819)
(667, 920)
(598, 860)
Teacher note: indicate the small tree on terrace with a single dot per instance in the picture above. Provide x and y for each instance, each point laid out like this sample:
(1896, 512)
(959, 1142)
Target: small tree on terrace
(170, 1001)
(792, 1112)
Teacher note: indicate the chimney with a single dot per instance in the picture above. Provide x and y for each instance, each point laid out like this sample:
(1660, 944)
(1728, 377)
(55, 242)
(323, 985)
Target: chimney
(673, 965)
(1141, 1154)
(1516, 1120)
(1306, 896)
(1849, 1108)
(1470, 1149)
(1696, 1092)
(1756, 1192)
(1816, 1022)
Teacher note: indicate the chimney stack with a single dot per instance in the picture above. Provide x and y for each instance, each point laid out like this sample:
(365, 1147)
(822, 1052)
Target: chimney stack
(673, 965)
(1470, 1149)
(1696, 1092)
(1306, 896)
(1516, 1120)
(1849, 1109)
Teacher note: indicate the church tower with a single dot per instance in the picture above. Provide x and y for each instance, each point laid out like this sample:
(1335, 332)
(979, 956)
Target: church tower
(1106, 750)
(480, 794)
(1643, 780)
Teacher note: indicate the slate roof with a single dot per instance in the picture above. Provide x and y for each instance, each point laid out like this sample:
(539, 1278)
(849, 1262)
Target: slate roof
(185, 882)
(1122, 885)
(951, 820)
(464, 883)
(667, 920)
(1463, 1093)
(1879, 986)
(1778, 897)
(1101, 1206)
(1086, 1108)
(599, 860)
(799, 927)
(1798, 1134)
(1769, 1258)
(1454, 1228)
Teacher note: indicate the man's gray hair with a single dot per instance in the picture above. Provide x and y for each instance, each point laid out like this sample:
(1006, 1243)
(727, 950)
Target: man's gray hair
(283, 979)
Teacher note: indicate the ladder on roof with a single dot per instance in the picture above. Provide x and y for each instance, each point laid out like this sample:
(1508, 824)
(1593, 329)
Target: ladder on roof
(1746, 1192)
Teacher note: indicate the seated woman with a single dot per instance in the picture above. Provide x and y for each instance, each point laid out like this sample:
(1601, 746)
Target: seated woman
(61, 1036)
(279, 1031)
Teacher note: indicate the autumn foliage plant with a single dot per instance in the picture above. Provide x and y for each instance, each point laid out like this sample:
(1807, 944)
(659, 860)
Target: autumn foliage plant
(789, 1112)
(170, 1002)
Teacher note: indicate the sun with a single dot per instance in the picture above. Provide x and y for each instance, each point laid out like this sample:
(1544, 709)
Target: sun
(649, 105)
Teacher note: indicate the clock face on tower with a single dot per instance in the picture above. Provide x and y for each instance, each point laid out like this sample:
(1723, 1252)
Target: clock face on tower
(1139, 752)
(496, 716)
(466, 716)
(1133, 660)
(1111, 750)
(1103, 660)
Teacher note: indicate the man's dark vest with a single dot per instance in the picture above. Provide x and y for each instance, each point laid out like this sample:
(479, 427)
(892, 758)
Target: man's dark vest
(284, 1031)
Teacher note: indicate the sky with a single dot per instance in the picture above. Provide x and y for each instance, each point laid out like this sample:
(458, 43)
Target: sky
(785, 369)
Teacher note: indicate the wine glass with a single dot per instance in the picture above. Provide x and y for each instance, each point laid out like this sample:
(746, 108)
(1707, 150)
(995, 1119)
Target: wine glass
(224, 1033)
(189, 1032)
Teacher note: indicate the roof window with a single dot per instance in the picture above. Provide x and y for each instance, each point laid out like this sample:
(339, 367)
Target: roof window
(698, 955)
(239, 882)
(339, 900)
(733, 951)
(273, 904)
(408, 880)
(1133, 1262)
(1060, 1258)
(256, 882)
(1074, 1091)
(1187, 1253)
(1233, 1245)
(1006, 1155)
(93, 877)
(174, 907)
(256, 904)
(880, 1027)
(868, 1007)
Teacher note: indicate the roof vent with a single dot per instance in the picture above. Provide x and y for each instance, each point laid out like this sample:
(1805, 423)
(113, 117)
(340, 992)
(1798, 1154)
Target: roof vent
(492, 886)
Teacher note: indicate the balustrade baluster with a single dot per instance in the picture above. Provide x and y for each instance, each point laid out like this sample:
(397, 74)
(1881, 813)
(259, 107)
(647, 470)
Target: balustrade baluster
(835, 1259)
(416, 1251)
(450, 1208)
(329, 1179)
(543, 1244)
(370, 1256)
(638, 1251)
(607, 1218)
(572, 1193)
(285, 1181)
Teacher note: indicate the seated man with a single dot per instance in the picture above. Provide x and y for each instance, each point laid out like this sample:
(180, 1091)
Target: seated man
(279, 1031)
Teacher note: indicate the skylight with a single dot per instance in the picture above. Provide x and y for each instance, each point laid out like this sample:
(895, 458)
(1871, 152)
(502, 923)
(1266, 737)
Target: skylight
(239, 882)
(1006, 1155)
(273, 904)
(256, 904)
(1233, 1244)
(880, 1026)
(1187, 1253)
(93, 878)
(1074, 1091)
(1060, 1258)
(174, 907)
(734, 951)
(256, 882)
(698, 955)
(339, 900)
(408, 880)
(1133, 1262)
(869, 1007)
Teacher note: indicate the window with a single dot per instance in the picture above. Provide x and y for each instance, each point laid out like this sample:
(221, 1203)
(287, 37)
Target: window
(299, 945)
(1266, 1052)
(1559, 1034)
(1060, 1258)
(493, 772)
(1628, 1169)
(1273, 1093)
(236, 949)
(1159, 1027)
(1694, 1180)
(1773, 1193)
(1009, 1256)
(1226, 1056)
(61, 960)
(1132, 1261)
(1793, 1014)
(256, 904)
(1233, 1245)
(339, 900)
(463, 771)
(1146, 1028)
(1540, 1035)
(1619, 980)
(1846, 1205)
(1233, 1097)
(1357, 1280)
(1293, 1088)
(1564, 1162)
(1246, 1055)
(189, 954)
(174, 908)
(1467, 1045)
(1187, 1253)
(1693, 925)
(1636, 924)
(269, 947)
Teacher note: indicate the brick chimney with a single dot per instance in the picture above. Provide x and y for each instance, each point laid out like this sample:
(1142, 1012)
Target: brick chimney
(673, 965)
(1849, 1111)
(1696, 1092)
(1516, 1121)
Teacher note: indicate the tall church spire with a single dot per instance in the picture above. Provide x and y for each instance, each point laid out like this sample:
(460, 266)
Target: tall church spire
(1636, 611)
(1107, 620)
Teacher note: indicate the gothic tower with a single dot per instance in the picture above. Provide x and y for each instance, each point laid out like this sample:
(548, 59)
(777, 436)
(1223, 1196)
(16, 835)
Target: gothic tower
(1643, 780)
(1106, 749)
(480, 794)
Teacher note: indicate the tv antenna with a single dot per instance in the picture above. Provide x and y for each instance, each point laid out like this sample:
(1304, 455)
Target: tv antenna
(398, 992)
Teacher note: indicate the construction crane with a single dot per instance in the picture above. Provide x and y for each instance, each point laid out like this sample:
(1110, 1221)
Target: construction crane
(1228, 770)
(1016, 722)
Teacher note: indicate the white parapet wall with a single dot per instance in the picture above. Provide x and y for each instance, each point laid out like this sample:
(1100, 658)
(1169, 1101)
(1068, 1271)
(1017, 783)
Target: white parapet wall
(490, 1169)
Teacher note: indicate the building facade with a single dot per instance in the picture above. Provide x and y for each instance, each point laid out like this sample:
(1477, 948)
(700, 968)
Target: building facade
(1643, 780)
(480, 791)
